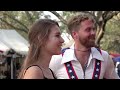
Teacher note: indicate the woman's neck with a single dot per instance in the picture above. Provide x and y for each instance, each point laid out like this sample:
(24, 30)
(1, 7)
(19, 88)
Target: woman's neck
(44, 60)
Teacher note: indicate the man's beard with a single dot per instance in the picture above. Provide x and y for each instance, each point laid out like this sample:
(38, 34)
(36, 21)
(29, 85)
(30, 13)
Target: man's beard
(88, 42)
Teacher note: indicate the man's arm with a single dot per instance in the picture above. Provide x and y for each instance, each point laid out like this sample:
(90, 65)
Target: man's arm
(110, 72)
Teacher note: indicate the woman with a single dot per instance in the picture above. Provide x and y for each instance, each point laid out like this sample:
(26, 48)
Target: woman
(45, 40)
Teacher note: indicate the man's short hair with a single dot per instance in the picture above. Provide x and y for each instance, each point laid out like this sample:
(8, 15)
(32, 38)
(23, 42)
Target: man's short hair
(75, 21)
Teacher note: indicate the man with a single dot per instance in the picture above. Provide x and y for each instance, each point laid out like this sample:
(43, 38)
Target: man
(82, 60)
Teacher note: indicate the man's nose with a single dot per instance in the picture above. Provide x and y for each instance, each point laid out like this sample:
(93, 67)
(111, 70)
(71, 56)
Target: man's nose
(93, 32)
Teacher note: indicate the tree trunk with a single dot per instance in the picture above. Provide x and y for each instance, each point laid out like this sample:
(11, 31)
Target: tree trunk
(100, 33)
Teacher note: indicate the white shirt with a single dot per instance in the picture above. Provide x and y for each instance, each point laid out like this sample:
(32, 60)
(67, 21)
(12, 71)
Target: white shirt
(107, 66)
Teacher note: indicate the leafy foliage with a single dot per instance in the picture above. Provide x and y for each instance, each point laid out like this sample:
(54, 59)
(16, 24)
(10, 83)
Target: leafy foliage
(19, 20)
(111, 39)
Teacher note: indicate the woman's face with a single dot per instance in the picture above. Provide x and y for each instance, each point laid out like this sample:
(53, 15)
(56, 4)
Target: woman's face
(54, 42)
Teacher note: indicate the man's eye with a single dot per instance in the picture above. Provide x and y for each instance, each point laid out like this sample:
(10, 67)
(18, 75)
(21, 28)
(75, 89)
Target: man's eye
(94, 29)
(88, 29)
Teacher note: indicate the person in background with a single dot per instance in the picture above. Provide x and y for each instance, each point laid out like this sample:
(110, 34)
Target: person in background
(117, 64)
(45, 40)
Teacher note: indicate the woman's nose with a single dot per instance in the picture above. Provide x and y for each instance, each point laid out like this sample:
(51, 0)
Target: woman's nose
(62, 40)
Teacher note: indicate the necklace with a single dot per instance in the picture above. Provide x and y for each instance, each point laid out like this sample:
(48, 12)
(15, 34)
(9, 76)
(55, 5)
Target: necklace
(82, 50)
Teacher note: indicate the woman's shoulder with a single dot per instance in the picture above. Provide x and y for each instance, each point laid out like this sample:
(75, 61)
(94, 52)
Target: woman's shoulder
(33, 72)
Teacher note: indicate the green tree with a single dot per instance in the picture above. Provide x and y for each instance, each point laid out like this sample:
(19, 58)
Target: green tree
(19, 20)
(22, 20)
(111, 39)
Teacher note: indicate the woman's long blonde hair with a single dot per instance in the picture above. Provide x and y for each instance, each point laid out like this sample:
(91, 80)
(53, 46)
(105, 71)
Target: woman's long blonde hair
(38, 35)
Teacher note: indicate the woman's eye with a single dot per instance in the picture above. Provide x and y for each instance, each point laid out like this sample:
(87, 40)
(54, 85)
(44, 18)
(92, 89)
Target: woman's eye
(57, 35)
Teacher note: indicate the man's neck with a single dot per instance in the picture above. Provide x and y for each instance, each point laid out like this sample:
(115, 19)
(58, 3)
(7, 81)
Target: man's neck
(81, 48)
(82, 56)
(82, 53)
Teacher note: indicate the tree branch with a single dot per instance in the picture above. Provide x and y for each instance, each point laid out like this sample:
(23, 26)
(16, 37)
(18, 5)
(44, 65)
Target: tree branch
(13, 26)
(29, 17)
(109, 14)
(16, 20)
(58, 16)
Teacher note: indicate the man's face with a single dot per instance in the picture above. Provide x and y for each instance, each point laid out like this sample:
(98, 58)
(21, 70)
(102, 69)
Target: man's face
(86, 34)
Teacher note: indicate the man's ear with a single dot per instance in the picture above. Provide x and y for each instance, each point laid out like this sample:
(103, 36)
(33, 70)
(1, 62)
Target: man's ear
(75, 34)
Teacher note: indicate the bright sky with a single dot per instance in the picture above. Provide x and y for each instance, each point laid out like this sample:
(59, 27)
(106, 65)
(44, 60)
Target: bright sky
(52, 15)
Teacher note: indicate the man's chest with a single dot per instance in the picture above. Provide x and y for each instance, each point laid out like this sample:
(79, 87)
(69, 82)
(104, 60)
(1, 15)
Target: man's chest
(74, 70)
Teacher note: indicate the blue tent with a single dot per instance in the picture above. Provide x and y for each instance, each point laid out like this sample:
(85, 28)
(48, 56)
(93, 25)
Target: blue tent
(117, 59)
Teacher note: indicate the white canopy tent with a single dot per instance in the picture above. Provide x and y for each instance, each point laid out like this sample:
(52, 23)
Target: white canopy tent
(10, 39)
(4, 48)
